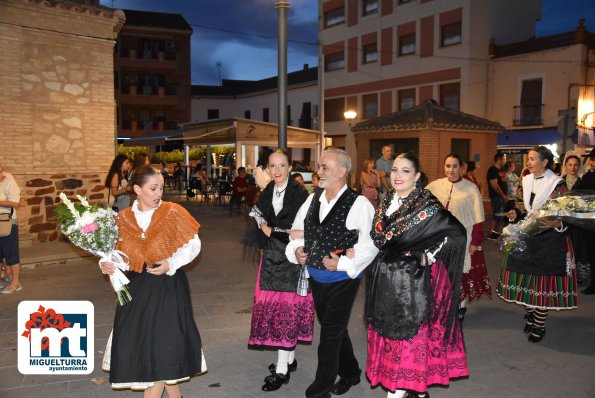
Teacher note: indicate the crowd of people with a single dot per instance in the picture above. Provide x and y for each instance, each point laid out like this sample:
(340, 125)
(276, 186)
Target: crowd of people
(417, 244)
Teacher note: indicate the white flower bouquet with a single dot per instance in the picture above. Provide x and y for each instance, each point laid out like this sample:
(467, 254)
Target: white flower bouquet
(572, 209)
(94, 229)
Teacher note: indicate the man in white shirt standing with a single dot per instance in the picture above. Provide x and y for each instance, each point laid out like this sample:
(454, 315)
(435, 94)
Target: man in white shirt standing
(334, 218)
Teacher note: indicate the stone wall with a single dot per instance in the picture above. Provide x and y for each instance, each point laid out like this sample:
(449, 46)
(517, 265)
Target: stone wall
(58, 107)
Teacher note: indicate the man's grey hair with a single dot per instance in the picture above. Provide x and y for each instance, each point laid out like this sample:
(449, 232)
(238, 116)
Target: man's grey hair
(343, 158)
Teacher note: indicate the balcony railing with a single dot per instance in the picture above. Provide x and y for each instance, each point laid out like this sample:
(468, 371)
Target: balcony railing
(528, 115)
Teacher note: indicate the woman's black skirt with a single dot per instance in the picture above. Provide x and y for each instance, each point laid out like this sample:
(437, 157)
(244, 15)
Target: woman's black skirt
(155, 337)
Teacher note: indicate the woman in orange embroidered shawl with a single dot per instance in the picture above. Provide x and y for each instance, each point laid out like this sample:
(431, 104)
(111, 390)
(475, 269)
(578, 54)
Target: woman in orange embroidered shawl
(155, 341)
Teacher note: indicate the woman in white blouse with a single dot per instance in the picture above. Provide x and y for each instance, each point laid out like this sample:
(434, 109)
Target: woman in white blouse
(155, 341)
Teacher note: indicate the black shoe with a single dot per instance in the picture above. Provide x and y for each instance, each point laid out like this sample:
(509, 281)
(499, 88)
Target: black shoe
(588, 291)
(413, 394)
(537, 334)
(292, 367)
(343, 385)
(275, 381)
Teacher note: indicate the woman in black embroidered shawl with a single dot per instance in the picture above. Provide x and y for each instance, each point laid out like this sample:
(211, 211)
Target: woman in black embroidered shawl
(280, 317)
(414, 338)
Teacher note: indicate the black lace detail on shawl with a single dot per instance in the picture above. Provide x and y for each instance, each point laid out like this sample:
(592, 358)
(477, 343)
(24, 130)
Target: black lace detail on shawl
(399, 296)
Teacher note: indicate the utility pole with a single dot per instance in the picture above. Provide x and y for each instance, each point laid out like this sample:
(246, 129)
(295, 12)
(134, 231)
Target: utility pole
(282, 7)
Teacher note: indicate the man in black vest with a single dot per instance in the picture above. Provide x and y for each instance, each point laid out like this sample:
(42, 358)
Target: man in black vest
(334, 218)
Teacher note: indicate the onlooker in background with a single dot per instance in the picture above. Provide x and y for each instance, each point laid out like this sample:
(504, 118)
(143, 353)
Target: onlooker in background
(262, 176)
(117, 184)
(512, 181)
(240, 186)
(10, 197)
(587, 183)
(580, 238)
(572, 164)
(233, 170)
(498, 189)
(178, 175)
(141, 159)
(299, 178)
(384, 165)
(470, 174)
(370, 182)
(588, 179)
(315, 180)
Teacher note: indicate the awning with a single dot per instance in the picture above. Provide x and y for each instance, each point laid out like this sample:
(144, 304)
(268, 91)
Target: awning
(528, 137)
(533, 137)
(151, 139)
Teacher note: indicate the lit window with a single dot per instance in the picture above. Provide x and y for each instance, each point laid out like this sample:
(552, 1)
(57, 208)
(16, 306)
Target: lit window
(370, 53)
(370, 7)
(334, 61)
(334, 17)
(407, 44)
(450, 34)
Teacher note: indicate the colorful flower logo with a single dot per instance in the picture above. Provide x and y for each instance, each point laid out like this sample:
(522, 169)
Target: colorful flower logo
(43, 319)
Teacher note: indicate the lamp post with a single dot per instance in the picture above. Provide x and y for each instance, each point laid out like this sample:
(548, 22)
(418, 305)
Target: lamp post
(350, 143)
(282, 6)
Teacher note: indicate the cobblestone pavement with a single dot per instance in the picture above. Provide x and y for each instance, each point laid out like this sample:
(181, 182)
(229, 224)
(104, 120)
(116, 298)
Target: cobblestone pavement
(501, 361)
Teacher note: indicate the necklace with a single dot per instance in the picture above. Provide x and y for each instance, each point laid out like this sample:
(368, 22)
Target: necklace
(279, 193)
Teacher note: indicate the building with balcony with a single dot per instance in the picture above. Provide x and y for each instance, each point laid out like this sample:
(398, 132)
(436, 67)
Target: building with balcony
(535, 83)
(386, 56)
(152, 73)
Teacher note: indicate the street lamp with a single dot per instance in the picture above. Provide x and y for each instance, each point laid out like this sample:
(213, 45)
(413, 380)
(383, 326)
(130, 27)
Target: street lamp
(350, 143)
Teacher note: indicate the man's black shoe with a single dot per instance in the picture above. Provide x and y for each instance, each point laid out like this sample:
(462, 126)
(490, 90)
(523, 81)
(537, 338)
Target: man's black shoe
(343, 385)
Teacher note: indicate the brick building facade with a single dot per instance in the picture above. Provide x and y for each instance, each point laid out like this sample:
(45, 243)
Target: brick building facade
(57, 108)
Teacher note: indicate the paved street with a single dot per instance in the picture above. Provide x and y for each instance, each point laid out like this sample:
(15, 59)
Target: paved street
(501, 361)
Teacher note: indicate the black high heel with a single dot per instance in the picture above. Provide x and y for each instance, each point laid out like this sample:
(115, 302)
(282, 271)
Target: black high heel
(537, 334)
(275, 381)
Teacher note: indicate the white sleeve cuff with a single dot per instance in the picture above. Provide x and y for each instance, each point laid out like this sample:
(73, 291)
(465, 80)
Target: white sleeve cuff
(184, 255)
(291, 248)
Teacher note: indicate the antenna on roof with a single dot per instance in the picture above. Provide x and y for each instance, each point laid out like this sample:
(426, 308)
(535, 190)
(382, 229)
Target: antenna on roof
(219, 65)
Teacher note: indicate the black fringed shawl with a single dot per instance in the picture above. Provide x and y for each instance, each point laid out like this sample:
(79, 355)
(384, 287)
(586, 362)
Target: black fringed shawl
(277, 273)
(399, 295)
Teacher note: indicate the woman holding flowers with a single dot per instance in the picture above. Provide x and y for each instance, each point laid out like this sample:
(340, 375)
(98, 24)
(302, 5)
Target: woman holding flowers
(280, 316)
(462, 198)
(543, 275)
(155, 341)
(414, 338)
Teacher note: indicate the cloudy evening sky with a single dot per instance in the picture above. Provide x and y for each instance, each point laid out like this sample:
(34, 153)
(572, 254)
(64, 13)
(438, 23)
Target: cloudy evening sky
(241, 34)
